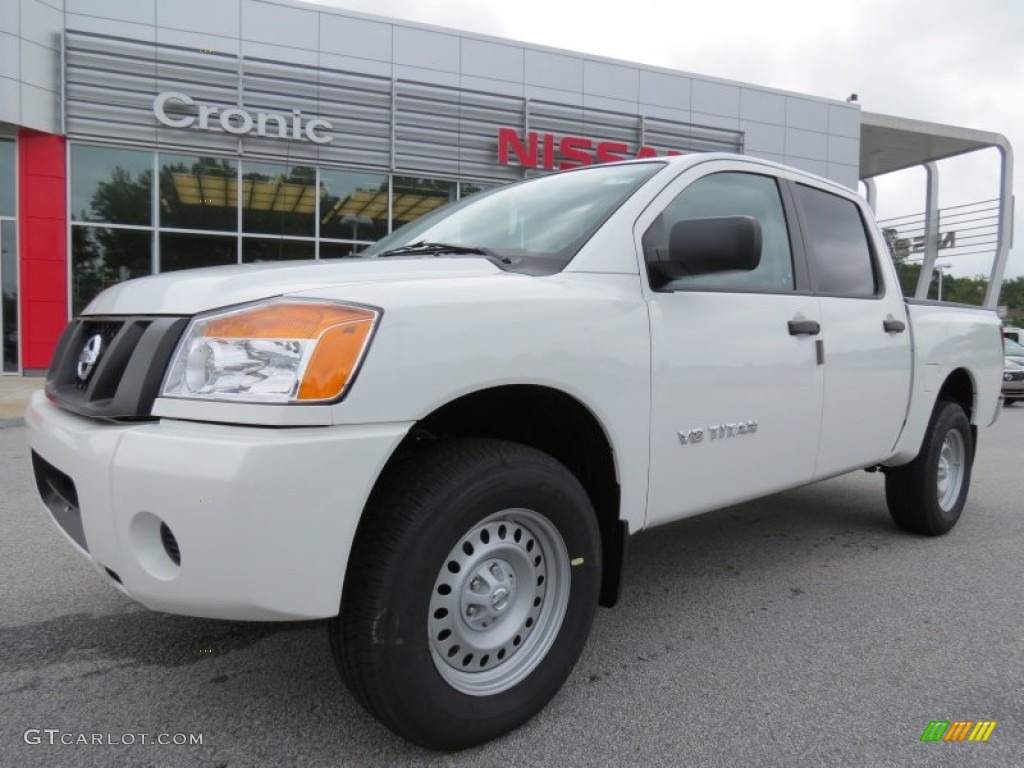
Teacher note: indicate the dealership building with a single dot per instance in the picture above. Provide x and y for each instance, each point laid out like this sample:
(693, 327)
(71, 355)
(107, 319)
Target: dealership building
(143, 136)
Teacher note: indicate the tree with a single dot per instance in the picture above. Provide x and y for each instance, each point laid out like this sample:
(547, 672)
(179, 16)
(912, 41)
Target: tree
(1012, 296)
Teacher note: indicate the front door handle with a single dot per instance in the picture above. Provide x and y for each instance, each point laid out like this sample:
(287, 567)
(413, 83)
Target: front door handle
(892, 325)
(804, 328)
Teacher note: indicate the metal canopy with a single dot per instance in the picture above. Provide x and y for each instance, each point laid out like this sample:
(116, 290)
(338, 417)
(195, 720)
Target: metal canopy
(889, 143)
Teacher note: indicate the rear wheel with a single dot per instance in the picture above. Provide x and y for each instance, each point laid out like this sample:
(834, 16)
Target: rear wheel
(472, 587)
(928, 495)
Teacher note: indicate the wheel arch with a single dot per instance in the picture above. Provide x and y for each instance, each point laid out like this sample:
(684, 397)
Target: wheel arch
(959, 387)
(551, 421)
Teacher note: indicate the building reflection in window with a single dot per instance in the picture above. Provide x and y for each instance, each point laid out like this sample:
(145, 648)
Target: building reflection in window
(111, 185)
(209, 208)
(331, 250)
(353, 205)
(413, 197)
(278, 199)
(198, 193)
(102, 256)
(9, 288)
(276, 249)
(180, 250)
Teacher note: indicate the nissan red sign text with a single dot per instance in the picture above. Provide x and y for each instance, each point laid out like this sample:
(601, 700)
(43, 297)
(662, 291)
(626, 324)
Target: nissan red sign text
(550, 151)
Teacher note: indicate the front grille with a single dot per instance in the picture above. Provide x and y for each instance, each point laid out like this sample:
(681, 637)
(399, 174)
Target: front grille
(111, 367)
(1013, 376)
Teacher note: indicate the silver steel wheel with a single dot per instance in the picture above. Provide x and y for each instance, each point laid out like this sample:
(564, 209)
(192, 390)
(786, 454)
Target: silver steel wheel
(950, 475)
(498, 602)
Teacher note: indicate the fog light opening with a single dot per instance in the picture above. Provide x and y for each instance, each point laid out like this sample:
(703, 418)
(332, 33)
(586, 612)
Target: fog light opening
(170, 544)
(155, 546)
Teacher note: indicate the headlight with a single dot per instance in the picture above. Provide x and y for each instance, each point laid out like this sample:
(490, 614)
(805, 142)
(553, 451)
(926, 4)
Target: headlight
(281, 351)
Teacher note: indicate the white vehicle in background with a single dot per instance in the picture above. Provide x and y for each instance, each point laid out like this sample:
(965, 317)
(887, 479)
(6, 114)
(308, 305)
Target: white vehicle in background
(444, 446)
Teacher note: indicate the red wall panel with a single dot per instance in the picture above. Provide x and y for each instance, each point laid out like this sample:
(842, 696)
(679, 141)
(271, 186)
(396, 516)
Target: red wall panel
(44, 195)
(42, 238)
(40, 151)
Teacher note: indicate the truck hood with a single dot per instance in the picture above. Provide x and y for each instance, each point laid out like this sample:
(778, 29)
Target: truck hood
(198, 290)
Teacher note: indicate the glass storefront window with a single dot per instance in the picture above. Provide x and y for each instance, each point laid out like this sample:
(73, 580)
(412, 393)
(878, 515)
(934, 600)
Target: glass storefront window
(202, 203)
(198, 192)
(101, 257)
(413, 197)
(278, 199)
(353, 205)
(330, 250)
(9, 291)
(276, 249)
(7, 184)
(467, 188)
(185, 251)
(112, 186)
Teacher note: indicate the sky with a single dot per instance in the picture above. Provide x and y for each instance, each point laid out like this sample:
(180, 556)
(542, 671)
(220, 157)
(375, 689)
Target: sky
(943, 61)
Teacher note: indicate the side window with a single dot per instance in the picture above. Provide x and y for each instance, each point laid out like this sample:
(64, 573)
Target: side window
(837, 243)
(731, 194)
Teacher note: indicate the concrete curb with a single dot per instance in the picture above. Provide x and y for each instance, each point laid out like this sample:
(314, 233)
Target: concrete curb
(7, 423)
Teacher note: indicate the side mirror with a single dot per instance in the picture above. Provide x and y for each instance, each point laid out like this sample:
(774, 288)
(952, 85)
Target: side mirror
(709, 246)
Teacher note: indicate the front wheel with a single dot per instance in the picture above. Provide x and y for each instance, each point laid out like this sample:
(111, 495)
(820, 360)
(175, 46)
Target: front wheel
(927, 495)
(471, 591)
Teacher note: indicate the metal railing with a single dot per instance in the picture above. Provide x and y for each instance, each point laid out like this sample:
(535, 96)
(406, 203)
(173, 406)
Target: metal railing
(963, 230)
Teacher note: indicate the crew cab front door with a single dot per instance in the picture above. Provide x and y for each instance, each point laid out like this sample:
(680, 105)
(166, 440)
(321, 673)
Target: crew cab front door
(736, 382)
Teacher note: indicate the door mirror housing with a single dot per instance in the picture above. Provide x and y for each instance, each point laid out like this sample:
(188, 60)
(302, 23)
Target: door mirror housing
(710, 246)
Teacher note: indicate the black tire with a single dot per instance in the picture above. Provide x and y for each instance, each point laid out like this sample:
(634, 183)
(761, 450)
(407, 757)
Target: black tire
(918, 498)
(386, 639)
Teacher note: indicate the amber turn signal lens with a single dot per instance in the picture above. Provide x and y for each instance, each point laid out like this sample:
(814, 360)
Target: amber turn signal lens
(335, 359)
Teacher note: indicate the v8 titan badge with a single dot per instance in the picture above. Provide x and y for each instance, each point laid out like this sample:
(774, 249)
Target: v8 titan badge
(717, 432)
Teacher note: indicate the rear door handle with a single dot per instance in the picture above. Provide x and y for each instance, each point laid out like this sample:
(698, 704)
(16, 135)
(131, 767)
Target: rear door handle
(804, 328)
(892, 325)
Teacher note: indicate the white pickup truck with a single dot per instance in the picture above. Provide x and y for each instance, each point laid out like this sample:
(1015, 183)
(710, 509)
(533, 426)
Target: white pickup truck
(444, 446)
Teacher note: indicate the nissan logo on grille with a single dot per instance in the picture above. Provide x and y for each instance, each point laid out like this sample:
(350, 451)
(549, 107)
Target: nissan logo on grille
(88, 356)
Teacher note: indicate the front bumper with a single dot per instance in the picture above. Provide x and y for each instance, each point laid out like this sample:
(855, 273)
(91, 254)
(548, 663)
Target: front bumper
(262, 519)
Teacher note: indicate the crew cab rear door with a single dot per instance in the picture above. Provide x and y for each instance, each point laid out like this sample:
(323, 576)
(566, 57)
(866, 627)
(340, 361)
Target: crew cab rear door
(736, 387)
(865, 331)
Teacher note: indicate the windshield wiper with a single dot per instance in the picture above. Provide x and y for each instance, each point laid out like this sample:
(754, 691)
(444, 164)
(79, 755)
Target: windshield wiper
(428, 248)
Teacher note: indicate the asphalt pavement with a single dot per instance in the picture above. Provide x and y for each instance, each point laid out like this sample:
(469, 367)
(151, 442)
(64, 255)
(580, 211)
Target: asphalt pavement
(799, 630)
(15, 392)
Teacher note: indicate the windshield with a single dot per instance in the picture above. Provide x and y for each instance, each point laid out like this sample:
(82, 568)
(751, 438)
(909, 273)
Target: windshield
(544, 218)
(1013, 348)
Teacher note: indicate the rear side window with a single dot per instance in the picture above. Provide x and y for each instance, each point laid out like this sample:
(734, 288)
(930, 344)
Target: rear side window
(837, 244)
